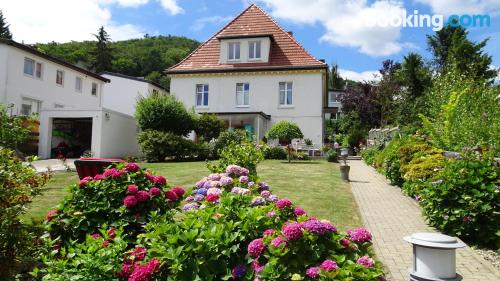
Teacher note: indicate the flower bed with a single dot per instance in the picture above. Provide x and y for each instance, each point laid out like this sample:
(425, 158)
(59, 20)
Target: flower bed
(228, 227)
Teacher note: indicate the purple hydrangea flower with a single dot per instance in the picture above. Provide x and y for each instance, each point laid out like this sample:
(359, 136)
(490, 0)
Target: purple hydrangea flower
(329, 265)
(190, 206)
(265, 194)
(202, 191)
(365, 261)
(312, 272)
(271, 214)
(278, 242)
(258, 201)
(214, 177)
(318, 227)
(239, 271)
(263, 186)
(292, 231)
(244, 179)
(256, 247)
(189, 198)
(201, 183)
(198, 197)
(224, 181)
(273, 198)
(214, 191)
(360, 235)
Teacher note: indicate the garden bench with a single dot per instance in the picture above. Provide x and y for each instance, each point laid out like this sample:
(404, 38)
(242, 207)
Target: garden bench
(89, 167)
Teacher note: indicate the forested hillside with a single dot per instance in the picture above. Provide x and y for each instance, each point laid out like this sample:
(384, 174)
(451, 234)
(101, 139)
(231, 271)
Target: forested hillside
(146, 57)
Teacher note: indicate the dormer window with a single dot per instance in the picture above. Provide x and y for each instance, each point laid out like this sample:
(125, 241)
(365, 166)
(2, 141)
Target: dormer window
(254, 50)
(234, 51)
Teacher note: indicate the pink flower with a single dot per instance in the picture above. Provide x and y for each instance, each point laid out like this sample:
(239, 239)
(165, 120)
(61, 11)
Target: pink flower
(145, 271)
(111, 232)
(278, 242)
(179, 191)
(160, 180)
(244, 179)
(155, 191)
(83, 182)
(139, 253)
(170, 195)
(299, 211)
(56, 246)
(268, 232)
(360, 235)
(132, 189)
(292, 231)
(142, 196)
(265, 194)
(256, 266)
(212, 197)
(51, 214)
(117, 174)
(214, 190)
(329, 265)
(312, 272)
(271, 214)
(365, 261)
(283, 203)
(105, 244)
(95, 235)
(109, 172)
(344, 242)
(130, 201)
(126, 271)
(256, 247)
(131, 167)
(98, 177)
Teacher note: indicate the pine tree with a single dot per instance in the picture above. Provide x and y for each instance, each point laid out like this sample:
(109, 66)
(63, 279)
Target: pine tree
(4, 28)
(334, 79)
(102, 53)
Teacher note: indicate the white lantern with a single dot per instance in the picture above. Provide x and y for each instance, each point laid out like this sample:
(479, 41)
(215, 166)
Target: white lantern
(434, 257)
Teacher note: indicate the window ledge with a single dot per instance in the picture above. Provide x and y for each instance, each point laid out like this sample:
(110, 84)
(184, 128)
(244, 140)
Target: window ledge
(202, 107)
(243, 106)
(286, 106)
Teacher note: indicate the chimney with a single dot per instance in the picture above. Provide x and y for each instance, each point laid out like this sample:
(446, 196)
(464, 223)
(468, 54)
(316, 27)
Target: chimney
(290, 33)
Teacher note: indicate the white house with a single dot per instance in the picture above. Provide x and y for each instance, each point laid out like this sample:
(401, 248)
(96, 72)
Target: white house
(79, 111)
(252, 73)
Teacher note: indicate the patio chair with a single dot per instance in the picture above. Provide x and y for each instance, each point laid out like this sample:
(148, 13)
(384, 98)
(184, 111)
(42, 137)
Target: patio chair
(89, 167)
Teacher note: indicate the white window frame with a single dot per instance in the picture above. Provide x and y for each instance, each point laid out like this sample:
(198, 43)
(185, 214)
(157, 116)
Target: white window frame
(242, 94)
(253, 55)
(33, 70)
(32, 103)
(37, 64)
(287, 93)
(62, 77)
(203, 91)
(233, 48)
(78, 89)
(96, 89)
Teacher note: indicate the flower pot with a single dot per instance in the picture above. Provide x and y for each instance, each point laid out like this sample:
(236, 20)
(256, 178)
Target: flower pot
(344, 171)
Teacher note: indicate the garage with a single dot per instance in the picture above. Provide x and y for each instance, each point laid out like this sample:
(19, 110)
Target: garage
(71, 137)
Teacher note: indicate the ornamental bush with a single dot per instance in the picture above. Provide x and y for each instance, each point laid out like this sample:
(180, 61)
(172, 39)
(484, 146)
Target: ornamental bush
(12, 131)
(123, 196)
(157, 146)
(209, 126)
(463, 198)
(225, 138)
(274, 152)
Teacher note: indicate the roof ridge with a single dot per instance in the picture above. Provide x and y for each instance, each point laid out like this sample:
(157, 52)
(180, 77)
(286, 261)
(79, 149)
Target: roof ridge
(211, 37)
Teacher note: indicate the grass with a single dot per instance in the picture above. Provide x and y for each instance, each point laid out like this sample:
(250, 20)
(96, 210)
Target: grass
(314, 185)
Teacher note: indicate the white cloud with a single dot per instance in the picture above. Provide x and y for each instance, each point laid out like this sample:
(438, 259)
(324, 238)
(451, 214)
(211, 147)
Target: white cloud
(449, 7)
(354, 23)
(370, 75)
(200, 23)
(126, 3)
(62, 20)
(171, 6)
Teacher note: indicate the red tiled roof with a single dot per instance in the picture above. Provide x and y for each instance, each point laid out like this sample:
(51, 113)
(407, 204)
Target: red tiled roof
(285, 53)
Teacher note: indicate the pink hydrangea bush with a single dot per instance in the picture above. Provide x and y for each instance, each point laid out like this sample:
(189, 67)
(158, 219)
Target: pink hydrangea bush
(121, 195)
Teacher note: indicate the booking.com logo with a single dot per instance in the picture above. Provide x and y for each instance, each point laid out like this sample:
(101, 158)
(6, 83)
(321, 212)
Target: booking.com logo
(436, 21)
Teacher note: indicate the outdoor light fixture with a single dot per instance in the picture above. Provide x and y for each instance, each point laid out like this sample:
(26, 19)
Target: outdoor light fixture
(434, 257)
(107, 116)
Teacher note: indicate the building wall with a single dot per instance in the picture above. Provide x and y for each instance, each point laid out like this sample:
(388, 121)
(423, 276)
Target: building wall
(263, 96)
(118, 135)
(121, 94)
(19, 85)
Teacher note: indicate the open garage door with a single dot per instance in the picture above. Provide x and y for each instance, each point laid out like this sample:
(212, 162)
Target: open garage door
(71, 137)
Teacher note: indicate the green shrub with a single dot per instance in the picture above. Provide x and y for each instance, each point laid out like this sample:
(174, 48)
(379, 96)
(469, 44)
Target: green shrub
(245, 154)
(285, 131)
(388, 161)
(274, 152)
(369, 155)
(463, 198)
(163, 113)
(12, 131)
(225, 138)
(420, 169)
(209, 126)
(300, 156)
(19, 184)
(331, 156)
(122, 197)
(157, 146)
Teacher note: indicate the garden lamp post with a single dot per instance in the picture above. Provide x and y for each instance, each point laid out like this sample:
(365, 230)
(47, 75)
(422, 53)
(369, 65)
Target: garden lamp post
(434, 257)
(344, 168)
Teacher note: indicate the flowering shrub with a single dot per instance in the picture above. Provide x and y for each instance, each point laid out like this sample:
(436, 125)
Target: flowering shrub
(463, 200)
(124, 195)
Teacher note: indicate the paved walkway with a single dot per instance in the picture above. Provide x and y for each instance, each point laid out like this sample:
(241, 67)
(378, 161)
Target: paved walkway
(390, 216)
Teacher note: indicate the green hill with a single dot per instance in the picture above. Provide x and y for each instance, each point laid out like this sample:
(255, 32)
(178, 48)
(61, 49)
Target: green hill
(145, 57)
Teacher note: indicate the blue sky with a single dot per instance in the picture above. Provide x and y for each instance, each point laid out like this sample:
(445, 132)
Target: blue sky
(329, 29)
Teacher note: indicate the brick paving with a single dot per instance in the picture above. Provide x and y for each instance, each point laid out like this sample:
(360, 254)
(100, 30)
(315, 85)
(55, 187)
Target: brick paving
(390, 216)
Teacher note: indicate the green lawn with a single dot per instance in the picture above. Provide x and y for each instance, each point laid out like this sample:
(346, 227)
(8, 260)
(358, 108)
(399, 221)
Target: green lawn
(316, 186)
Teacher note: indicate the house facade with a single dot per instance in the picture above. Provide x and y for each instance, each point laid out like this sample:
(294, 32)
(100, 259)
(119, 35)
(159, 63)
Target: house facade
(76, 110)
(252, 73)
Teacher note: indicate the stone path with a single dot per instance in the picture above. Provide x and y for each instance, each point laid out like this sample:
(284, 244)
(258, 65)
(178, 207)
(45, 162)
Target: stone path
(54, 165)
(390, 216)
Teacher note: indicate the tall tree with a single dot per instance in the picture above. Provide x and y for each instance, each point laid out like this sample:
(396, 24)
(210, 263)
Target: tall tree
(102, 53)
(361, 99)
(451, 48)
(415, 79)
(388, 90)
(4, 28)
(334, 79)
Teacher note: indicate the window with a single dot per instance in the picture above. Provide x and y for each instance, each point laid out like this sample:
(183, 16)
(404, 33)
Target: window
(333, 97)
(234, 51)
(30, 106)
(78, 84)
(59, 77)
(254, 50)
(29, 66)
(286, 93)
(94, 89)
(38, 70)
(202, 95)
(242, 90)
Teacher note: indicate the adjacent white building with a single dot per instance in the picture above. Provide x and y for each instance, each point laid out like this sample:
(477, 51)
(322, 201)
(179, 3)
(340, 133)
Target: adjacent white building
(80, 112)
(252, 74)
